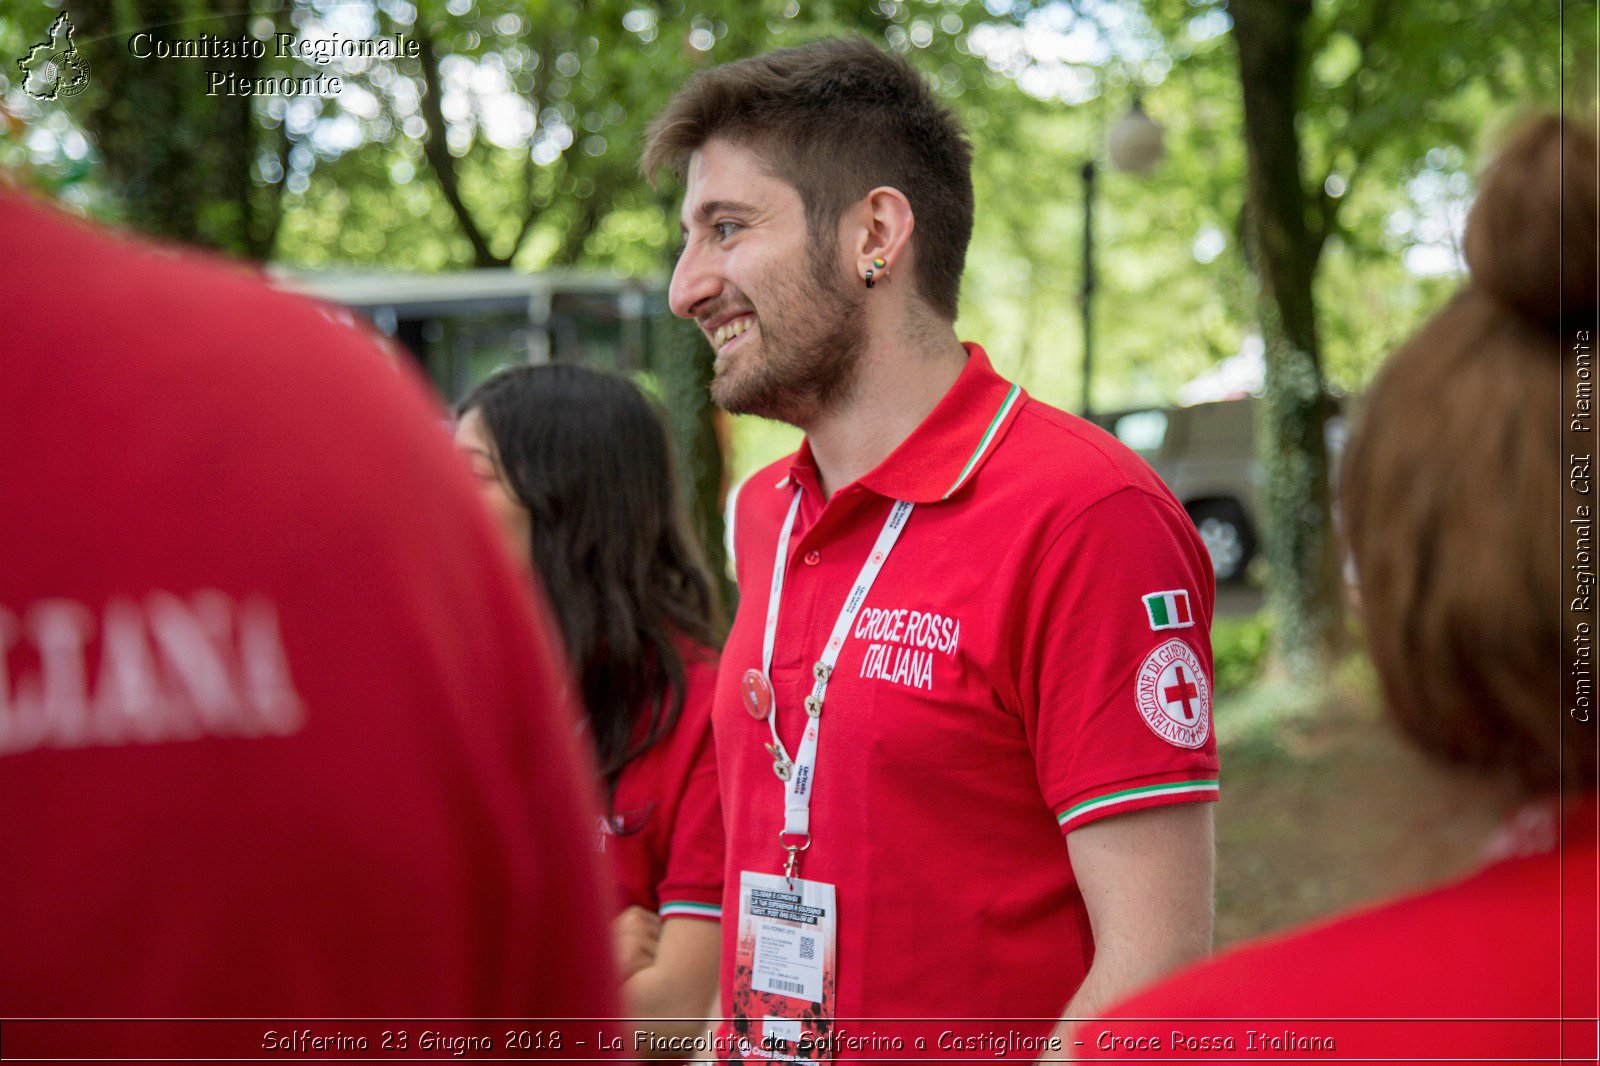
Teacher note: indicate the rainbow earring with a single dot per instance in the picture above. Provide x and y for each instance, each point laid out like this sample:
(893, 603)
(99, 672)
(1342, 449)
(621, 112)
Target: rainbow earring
(877, 264)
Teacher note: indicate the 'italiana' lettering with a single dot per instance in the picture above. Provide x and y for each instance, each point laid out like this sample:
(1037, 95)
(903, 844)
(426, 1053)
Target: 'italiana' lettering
(158, 669)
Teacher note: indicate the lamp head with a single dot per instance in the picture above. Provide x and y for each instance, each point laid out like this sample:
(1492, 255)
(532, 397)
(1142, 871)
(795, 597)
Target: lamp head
(1134, 143)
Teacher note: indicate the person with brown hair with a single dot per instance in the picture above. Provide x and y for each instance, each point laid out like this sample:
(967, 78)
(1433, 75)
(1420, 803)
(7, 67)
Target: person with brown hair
(1454, 520)
(970, 625)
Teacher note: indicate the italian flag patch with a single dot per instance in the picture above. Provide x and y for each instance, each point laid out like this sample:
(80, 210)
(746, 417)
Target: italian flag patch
(1169, 610)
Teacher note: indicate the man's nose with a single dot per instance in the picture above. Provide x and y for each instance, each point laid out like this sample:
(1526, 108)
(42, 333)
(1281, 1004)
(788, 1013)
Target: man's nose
(693, 283)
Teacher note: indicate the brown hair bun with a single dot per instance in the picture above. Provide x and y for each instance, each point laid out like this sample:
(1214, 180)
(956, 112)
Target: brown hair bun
(1451, 495)
(1530, 239)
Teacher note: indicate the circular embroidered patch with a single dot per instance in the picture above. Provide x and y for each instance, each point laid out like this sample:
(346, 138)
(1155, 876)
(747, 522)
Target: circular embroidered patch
(1173, 695)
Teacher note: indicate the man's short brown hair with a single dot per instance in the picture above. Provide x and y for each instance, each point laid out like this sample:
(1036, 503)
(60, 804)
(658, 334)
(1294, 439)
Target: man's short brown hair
(837, 118)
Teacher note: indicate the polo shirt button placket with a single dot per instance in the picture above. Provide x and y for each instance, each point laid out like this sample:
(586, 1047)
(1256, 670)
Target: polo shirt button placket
(813, 558)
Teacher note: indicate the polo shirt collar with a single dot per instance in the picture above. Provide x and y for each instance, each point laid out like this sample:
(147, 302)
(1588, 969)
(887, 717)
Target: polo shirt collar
(947, 448)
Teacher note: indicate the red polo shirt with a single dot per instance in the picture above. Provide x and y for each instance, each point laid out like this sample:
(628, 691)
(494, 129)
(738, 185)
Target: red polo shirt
(664, 833)
(1001, 686)
(1497, 967)
(281, 732)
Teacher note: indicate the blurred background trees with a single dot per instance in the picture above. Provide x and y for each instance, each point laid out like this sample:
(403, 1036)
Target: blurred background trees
(1319, 160)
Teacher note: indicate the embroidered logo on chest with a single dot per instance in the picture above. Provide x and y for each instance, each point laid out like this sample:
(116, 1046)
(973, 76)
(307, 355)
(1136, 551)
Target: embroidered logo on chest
(904, 644)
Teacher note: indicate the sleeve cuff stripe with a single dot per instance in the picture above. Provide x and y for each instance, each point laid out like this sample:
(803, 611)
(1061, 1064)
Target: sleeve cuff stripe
(681, 908)
(1176, 788)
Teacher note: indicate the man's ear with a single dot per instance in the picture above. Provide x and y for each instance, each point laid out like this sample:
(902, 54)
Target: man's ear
(885, 225)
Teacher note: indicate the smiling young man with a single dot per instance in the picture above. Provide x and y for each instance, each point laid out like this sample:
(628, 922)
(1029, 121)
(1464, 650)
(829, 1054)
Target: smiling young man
(970, 624)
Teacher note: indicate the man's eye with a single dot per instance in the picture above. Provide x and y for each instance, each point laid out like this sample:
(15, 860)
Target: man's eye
(726, 229)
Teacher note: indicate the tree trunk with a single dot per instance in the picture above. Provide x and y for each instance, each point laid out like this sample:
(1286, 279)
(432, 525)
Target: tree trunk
(686, 362)
(437, 152)
(179, 161)
(1304, 588)
(245, 213)
(587, 214)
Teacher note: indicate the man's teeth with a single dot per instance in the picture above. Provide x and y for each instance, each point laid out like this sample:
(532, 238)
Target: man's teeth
(729, 330)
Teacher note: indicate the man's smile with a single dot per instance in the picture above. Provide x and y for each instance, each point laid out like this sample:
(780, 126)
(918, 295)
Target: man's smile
(729, 331)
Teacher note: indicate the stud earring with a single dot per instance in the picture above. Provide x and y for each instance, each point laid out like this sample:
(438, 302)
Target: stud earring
(877, 264)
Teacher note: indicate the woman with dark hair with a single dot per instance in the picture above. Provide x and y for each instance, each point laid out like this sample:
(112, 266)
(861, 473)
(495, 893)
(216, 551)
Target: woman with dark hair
(577, 466)
(1452, 500)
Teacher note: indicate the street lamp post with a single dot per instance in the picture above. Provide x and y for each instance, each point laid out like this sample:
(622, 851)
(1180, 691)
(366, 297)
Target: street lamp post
(1086, 294)
(1133, 145)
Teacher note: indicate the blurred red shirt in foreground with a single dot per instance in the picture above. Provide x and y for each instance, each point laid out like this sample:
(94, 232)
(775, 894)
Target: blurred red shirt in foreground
(280, 736)
(1499, 966)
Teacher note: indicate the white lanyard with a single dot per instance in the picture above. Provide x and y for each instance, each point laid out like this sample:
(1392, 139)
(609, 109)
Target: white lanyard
(801, 777)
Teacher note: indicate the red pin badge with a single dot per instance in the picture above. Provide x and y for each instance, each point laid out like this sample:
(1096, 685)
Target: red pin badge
(757, 694)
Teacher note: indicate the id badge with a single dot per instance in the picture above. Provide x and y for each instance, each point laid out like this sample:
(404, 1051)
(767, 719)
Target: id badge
(784, 969)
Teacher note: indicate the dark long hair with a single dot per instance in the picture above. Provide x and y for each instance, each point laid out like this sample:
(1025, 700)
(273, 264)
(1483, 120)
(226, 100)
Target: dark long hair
(589, 457)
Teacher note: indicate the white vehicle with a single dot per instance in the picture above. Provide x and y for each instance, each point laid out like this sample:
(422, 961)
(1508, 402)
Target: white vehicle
(1206, 454)
(464, 325)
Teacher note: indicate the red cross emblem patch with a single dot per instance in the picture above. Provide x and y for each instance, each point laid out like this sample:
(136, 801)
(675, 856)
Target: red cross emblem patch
(1174, 696)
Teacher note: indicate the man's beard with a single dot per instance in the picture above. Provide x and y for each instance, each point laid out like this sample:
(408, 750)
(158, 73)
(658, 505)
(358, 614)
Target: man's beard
(811, 336)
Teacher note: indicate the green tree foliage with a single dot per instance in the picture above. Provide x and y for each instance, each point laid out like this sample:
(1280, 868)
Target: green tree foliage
(527, 121)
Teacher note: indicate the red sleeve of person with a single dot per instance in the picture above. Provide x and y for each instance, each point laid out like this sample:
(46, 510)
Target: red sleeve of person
(664, 832)
(1152, 622)
(281, 736)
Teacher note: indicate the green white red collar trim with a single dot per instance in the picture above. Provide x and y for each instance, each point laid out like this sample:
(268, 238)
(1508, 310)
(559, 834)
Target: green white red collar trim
(988, 438)
(946, 451)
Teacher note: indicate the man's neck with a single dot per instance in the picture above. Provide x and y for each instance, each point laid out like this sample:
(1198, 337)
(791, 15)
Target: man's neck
(899, 385)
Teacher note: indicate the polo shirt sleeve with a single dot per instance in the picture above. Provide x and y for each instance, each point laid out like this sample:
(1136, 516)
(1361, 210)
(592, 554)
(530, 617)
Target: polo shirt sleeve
(1115, 669)
(691, 885)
